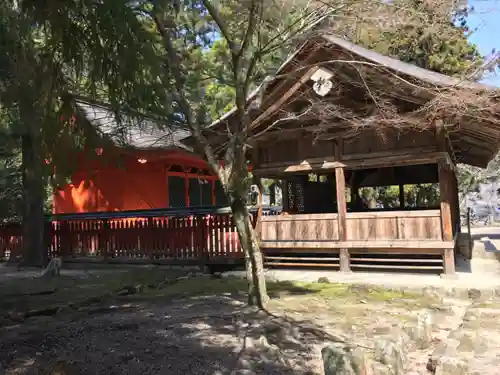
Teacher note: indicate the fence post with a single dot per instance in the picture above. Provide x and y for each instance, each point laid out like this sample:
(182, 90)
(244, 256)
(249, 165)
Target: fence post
(471, 242)
(48, 240)
(200, 223)
(104, 245)
(151, 241)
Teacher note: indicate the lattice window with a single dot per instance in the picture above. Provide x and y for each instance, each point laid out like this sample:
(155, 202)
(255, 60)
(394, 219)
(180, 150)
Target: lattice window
(176, 191)
(295, 196)
(299, 196)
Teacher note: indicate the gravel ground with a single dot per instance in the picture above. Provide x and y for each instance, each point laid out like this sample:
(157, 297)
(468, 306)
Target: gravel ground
(195, 336)
(218, 334)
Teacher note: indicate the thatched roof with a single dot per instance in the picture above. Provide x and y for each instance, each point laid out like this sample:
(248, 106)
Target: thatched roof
(474, 133)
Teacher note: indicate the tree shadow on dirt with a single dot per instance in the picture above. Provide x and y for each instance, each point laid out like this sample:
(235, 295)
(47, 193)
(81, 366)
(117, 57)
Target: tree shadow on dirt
(215, 334)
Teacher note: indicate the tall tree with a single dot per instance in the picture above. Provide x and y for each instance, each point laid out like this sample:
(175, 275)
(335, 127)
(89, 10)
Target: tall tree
(243, 44)
(26, 78)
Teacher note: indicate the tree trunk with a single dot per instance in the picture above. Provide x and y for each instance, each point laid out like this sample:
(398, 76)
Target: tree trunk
(257, 291)
(35, 252)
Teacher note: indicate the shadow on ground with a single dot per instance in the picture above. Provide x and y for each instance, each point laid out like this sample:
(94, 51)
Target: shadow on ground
(489, 246)
(170, 324)
(198, 335)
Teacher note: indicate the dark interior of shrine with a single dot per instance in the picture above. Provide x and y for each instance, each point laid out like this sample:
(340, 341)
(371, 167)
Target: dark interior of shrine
(412, 187)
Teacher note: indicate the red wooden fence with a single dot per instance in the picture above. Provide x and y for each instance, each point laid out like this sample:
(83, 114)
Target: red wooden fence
(197, 239)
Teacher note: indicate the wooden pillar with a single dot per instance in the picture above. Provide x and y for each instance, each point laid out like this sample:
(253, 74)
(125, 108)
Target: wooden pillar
(345, 263)
(401, 196)
(446, 196)
(456, 202)
(284, 197)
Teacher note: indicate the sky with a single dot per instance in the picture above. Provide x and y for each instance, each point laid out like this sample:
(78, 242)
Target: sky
(486, 18)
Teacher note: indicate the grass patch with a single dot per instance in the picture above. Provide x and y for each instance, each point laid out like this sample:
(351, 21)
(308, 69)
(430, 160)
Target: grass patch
(277, 289)
(488, 305)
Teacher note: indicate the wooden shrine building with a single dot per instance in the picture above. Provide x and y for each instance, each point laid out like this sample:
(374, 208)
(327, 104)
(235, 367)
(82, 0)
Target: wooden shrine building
(339, 119)
(143, 167)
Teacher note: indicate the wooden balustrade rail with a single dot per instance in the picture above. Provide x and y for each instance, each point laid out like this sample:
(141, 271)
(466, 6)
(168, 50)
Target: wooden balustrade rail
(198, 236)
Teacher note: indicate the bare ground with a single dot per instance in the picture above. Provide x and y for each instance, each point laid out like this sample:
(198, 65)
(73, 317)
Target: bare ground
(151, 321)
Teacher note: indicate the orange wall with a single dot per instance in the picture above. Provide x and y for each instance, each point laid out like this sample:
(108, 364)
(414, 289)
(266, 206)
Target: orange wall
(136, 186)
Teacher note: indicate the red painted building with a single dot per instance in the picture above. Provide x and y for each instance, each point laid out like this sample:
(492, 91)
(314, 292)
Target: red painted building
(144, 168)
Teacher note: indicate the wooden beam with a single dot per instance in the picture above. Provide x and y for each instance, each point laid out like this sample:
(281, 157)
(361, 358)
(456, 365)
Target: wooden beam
(287, 95)
(330, 163)
(393, 214)
(341, 208)
(443, 143)
(359, 156)
(300, 217)
(359, 245)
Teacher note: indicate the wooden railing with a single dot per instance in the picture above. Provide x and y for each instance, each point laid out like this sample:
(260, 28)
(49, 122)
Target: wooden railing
(394, 225)
(208, 234)
(198, 235)
(307, 227)
(362, 226)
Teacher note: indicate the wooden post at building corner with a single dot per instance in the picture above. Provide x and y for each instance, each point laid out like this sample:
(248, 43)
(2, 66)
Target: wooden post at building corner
(446, 198)
(345, 262)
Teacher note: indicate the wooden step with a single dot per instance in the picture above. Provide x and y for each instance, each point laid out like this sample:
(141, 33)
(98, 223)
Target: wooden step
(399, 260)
(301, 258)
(293, 264)
(396, 267)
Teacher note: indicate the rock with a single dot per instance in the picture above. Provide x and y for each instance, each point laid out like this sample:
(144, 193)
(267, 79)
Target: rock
(381, 369)
(272, 328)
(245, 371)
(400, 338)
(451, 366)
(445, 348)
(263, 343)
(432, 292)
(382, 330)
(53, 269)
(16, 316)
(421, 332)
(323, 280)
(474, 294)
(360, 362)
(64, 310)
(338, 360)
(360, 288)
(391, 354)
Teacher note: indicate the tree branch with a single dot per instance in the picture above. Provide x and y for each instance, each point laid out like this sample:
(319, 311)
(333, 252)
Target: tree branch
(221, 25)
(181, 98)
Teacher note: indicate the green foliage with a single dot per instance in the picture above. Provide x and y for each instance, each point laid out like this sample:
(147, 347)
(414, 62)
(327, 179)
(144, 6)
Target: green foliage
(418, 32)
(419, 195)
